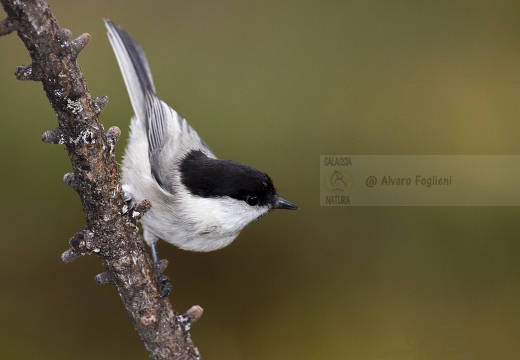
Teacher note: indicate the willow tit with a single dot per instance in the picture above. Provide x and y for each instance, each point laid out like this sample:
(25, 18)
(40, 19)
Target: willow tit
(199, 202)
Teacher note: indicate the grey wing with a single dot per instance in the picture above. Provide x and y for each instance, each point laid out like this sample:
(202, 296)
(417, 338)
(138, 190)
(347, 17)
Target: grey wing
(170, 138)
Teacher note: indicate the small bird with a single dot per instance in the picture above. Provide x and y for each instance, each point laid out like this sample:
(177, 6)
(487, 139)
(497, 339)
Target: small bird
(199, 202)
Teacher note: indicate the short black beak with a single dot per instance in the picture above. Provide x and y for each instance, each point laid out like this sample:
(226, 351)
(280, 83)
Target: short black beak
(284, 204)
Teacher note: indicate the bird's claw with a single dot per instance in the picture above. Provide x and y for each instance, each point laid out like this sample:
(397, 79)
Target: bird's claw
(164, 285)
(130, 201)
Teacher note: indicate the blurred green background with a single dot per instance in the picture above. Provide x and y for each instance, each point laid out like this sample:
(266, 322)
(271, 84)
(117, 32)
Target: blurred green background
(274, 85)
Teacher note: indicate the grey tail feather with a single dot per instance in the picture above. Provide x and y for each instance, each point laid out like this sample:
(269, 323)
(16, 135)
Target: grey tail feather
(134, 67)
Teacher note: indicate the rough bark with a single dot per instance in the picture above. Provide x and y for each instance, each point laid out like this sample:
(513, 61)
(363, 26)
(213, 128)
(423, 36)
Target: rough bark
(110, 230)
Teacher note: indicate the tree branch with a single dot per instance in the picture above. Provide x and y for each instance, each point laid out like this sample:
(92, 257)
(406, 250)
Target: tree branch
(111, 230)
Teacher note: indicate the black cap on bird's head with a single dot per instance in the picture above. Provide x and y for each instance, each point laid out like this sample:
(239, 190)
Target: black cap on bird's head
(210, 178)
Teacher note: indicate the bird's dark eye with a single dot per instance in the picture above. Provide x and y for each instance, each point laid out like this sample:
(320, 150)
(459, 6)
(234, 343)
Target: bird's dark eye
(251, 200)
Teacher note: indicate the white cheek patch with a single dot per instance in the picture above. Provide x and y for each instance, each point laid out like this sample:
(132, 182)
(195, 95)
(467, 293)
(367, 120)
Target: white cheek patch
(221, 214)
